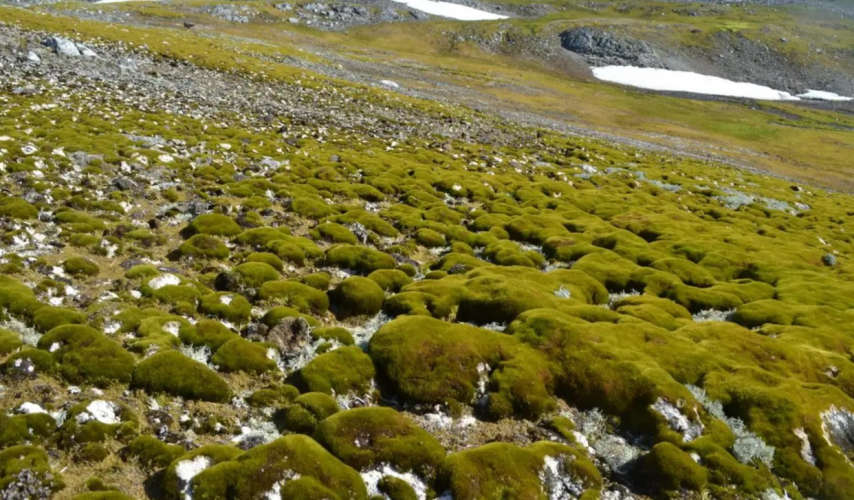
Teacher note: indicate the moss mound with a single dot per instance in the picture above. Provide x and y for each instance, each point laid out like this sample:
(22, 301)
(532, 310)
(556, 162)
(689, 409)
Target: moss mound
(254, 472)
(367, 437)
(342, 371)
(356, 296)
(85, 355)
(173, 373)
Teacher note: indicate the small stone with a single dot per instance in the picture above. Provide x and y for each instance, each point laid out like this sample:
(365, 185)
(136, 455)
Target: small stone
(829, 259)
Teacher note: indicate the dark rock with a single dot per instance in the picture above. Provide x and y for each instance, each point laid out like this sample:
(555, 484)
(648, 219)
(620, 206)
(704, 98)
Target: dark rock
(829, 259)
(601, 48)
(62, 46)
(289, 334)
(123, 184)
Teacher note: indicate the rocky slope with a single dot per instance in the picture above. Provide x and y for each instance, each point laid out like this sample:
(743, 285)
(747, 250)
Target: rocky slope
(224, 283)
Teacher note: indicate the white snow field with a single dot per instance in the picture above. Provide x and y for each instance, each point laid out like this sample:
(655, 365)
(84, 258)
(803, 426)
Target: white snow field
(451, 10)
(686, 81)
(824, 95)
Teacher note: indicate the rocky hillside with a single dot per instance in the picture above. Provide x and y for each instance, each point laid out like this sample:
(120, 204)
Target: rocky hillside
(234, 269)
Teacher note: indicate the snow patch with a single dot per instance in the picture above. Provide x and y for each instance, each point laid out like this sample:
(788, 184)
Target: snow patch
(30, 408)
(100, 410)
(824, 95)
(186, 470)
(372, 477)
(687, 81)
(451, 10)
(159, 282)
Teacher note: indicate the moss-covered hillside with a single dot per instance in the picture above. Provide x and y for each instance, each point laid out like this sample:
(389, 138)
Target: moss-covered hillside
(229, 299)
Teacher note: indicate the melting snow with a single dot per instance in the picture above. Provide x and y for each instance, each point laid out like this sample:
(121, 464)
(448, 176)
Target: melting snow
(451, 10)
(159, 282)
(686, 81)
(186, 470)
(29, 408)
(824, 95)
(100, 410)
(372, 478)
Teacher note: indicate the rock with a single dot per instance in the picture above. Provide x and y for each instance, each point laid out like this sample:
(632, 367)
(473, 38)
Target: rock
(27, 485)
(62, 46)
(86, 51)
(829, 259)
(289, 334)
(33, 57)
(123, 184)
(602, 48)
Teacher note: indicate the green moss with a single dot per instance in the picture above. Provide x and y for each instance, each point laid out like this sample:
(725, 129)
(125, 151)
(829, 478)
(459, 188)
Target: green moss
(341, 371)
(367, 437)
(48, 317)
(102, 495)
(430, 238)
(173, 373)
(207, 332)
(314, 208)
(153, 453)
(255, 274)
(319, 404)
(9, 341)
(215, 454)
(765, 311)
(336, 333)
(17, 208)
(18, 429)
(502, 470)
(15, 459)
(267, 258)
(390, 280)
(410, 346)
(319, 280)
(336, 233)
(239, 354)
(396, 489)
(275, 315)
(141, 271)
(667, 468)
(80, 266)
(295, 294)
(307, 488)
(358, 258)
(257, 470)
(85, 355)
(214, 224)
(43, 361)
(356, 296)
(229, 306)
(204, 246)
(275, 394)
(690, 273)
(296, 418)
